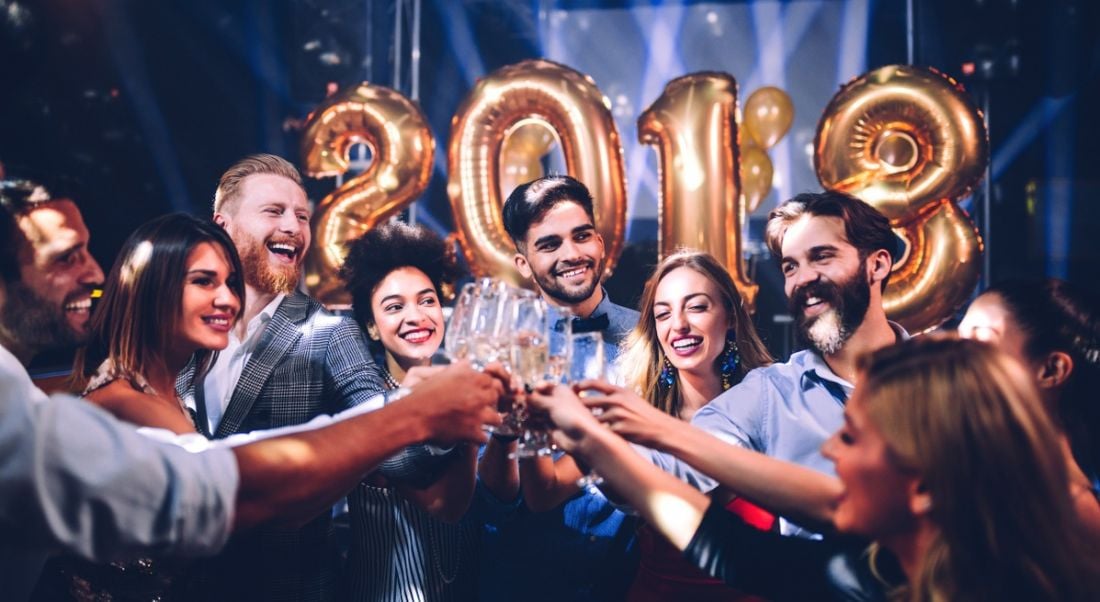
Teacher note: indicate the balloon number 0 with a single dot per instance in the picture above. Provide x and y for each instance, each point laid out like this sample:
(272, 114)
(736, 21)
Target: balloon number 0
(904, 139)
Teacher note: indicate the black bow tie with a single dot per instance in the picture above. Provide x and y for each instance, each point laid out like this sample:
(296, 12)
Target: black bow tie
(598, 323)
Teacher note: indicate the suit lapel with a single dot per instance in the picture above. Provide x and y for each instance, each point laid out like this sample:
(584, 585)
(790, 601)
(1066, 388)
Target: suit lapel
(278, 337)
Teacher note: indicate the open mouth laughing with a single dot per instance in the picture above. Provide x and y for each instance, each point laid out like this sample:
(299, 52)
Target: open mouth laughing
(288, 252)
(686, 345)
(417, 335)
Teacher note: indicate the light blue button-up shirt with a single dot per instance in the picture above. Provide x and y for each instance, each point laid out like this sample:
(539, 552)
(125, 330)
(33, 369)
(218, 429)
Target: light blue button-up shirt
(785, 410)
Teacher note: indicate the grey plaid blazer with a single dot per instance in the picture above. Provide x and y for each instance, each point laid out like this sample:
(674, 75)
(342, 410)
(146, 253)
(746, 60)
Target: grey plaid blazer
(308, 362)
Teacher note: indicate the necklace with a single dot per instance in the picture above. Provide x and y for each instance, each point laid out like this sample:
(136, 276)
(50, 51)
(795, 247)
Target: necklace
(391, 382)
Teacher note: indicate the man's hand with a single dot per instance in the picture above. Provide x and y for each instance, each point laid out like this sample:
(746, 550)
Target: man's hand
(457, 402)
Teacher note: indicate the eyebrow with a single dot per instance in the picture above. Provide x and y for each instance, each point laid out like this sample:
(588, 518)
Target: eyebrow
(546, 239)
(399, 296)
(812, 251)
(203, 272)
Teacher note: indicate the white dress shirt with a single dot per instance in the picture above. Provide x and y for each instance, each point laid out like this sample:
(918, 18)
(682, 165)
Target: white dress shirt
(73, 478)
(222, 378)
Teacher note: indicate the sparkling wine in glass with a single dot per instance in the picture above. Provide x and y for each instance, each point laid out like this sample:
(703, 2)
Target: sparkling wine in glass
(587, 363)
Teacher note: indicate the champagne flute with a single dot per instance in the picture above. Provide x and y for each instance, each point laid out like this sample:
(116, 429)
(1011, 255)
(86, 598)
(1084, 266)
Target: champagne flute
(457, 342)
(529, 353)
(587, 363)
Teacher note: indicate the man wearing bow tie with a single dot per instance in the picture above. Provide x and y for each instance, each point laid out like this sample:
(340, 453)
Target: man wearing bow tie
(585, 546)
(551, 223)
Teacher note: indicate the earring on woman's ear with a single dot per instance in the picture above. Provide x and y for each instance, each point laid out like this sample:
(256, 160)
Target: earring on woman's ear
(731, 359)
(667, 376)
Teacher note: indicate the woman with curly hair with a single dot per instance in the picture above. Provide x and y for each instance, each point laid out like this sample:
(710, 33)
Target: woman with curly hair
(408, 540)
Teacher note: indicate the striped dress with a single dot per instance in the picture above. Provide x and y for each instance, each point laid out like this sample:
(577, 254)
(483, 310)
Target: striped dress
(399, 553)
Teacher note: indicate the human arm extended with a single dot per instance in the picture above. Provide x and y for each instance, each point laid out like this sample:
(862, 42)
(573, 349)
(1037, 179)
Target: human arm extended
(325, 463)
(801, 494)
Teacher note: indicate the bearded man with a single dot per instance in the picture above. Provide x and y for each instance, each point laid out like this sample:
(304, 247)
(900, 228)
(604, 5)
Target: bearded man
(288, 360)
(835, 253)
(49, 277)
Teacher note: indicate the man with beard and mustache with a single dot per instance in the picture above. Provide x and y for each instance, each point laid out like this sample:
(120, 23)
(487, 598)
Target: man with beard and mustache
(288, 360)
(49, 275)
(835, 253)
(585, 549)
(550, 220)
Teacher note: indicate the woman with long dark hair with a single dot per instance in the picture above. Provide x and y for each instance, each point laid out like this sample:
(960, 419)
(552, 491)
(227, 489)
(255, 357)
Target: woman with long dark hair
(172, 296)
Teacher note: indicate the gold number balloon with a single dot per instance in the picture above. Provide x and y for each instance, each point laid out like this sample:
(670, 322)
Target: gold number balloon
(694, 126)
(402, 148)
(515, 97)
(910, 142)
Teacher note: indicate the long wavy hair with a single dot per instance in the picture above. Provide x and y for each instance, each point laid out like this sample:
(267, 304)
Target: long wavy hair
(642, 358)
(136, 320)
(968, 419)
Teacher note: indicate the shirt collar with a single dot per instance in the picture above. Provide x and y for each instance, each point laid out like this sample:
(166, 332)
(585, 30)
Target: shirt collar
(815, 366)
(262, 318)
(603, 307)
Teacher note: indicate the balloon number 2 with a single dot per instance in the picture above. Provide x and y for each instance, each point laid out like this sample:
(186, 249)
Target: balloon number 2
(904, 139)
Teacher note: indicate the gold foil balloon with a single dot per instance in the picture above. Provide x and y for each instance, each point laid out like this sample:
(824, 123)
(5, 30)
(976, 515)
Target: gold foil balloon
(694, 126)
(510, 99)
(768, 115)
(910, 142)
(402, 148)
(522, 153)
(756, 176)
(900, 137)
(939, 271)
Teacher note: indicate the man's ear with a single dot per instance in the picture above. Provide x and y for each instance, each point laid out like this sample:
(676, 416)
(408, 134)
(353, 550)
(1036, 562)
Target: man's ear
(1055, 370)
(220, 219)
(879, 265)
(522, 265)
(920, 500)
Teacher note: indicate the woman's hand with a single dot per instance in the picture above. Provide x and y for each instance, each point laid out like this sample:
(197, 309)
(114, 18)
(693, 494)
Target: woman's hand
(572, 419)
(627, 414)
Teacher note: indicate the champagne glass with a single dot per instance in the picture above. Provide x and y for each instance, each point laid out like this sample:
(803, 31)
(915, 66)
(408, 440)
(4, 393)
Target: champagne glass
(489, 323)
(529, 353)
(457, 342)
(587, 363)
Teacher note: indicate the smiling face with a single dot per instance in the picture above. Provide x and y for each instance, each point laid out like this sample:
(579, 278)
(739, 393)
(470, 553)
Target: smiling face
(209, 307)
(50, 304)
(564, 254)
(876, 500)
(827, 285)
(269, 223)
(691, 322)
(408, 318)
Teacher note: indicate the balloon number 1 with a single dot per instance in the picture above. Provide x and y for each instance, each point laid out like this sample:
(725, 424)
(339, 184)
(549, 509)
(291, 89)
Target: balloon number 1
(694, 127)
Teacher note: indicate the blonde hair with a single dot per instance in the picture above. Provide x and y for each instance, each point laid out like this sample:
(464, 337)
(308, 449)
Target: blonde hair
(968, 419)
(641, 359)
(229, 186)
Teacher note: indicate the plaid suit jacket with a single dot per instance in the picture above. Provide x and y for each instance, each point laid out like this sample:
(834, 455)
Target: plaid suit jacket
(308, 362)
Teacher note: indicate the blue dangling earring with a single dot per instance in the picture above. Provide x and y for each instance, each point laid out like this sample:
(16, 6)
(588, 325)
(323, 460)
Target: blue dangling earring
(667, 376)
(731, 359)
